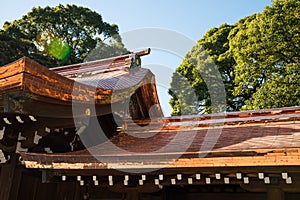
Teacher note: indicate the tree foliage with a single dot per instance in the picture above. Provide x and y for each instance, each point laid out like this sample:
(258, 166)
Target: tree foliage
(258, 58)
(12, 49)
(267, 51)
(212, 49)
(66, 34)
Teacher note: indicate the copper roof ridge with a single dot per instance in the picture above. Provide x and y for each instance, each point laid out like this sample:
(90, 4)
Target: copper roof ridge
(207, 153)
(237, 114)
(92, 64)
(247, 118)
(226, 115)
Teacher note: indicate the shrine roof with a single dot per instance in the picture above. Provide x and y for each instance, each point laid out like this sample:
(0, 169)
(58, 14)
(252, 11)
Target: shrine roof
(95, 78)
(44, 91)
(253, 138)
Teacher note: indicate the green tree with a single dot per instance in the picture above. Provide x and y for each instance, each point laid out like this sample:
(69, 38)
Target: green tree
(66, 34)
(258, 58)
(212, 49)
(12, 49)
(267, 50)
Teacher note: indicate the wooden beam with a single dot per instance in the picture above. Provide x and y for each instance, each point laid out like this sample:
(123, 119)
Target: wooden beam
(57, 109)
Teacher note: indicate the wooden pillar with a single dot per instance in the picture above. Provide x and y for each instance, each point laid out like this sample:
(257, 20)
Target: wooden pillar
(10, 179)
(16, 184)
(77, 192)
(275, 193)
(164, 194)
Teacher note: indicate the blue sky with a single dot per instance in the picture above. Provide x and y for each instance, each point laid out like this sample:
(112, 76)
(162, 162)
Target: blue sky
(190, 18)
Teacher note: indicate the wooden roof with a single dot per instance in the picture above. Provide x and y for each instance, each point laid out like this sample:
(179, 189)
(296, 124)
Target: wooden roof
(36, 101)
(253, 138)
(101, 82)
(61, 83)
(36, 112)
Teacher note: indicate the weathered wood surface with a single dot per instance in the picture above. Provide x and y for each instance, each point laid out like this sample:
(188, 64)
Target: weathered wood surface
(34, 78)
(271, 141)
(29, 90)
(95, 82)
